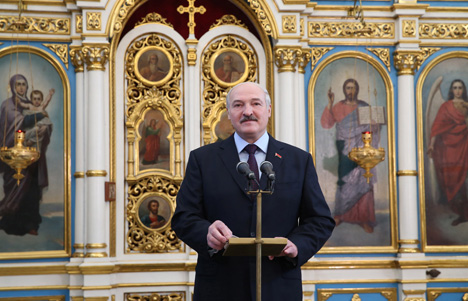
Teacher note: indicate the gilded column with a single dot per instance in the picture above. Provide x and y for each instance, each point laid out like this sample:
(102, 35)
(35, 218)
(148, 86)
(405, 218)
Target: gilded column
(76, 56)
(406, 62)
(286, 60)
(96, 57)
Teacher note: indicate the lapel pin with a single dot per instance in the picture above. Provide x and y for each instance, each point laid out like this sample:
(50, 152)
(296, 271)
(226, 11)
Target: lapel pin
(278, 155)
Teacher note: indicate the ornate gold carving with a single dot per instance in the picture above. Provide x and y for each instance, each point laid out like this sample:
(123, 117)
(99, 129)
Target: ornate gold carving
(154, 18)
(61, 50)
(389, 295)
(443, 31)
(409, 28)
(79, 174)
(301, 27)
(35, 25)
(95, 56)
(214, 92)
(356, 297)
(407, 61)
(96, 173)
(171, 90)
(286, 58)
(289, 24)
(351, 29)
(303, 60)
(317, 53)
(228, 20)
(122, 15)
(93, 21)
(323, 296)
(173, 296)
(141, 239)
(427, 52)
(192, 56)
(79, 23)
(465, 297)
(383, 54)
(191, 10)
(76, 57)
(407, 173)
(262, 16)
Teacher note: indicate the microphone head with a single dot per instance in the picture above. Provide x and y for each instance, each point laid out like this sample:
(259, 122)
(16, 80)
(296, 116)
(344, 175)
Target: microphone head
(244, 169)
(267, 168)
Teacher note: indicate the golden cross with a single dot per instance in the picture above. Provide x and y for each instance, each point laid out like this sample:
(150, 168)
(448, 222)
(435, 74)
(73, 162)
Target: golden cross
(191, 10)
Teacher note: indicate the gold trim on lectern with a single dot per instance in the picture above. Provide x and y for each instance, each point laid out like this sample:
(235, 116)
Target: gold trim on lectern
(245, 246)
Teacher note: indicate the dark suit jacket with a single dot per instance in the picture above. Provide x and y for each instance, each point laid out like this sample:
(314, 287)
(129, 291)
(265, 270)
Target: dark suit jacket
(213, 190)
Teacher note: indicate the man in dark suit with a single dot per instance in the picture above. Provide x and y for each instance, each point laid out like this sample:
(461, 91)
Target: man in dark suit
(212, 206)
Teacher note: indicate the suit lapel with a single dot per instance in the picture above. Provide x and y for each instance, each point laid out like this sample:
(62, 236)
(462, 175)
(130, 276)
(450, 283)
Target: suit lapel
(274, 155)
(230, 157)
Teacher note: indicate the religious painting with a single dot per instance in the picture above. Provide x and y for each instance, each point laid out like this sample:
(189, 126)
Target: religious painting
(153, 65)
(224, 128)
(228, 67)
(34, 206)
(443, 152)
(154, 211)
(154, 145)
(350, 94)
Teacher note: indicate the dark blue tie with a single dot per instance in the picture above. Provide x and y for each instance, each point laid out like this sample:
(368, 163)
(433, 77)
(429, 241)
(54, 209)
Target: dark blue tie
(251, 148)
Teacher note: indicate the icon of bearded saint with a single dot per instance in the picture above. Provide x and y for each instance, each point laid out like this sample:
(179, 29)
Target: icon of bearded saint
(152, 71)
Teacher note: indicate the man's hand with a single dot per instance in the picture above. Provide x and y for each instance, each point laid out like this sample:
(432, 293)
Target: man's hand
(331, 98)
(218, 235)
(290, 251)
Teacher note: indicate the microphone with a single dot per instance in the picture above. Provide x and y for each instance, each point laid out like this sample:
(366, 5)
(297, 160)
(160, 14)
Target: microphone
(244, 169)
(267, 168)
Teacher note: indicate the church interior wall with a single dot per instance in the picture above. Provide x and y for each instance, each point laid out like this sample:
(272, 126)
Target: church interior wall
(91, 241)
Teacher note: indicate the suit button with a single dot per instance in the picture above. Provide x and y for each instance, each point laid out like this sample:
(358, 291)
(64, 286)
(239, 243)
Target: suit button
(252, 234)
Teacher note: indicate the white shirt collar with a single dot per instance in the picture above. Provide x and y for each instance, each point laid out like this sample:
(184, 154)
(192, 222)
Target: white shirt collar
(261, 143)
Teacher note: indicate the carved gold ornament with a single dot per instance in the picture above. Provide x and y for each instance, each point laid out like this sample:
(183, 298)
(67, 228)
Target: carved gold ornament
(356, 297)
(409, 28)
(173, 296)
(191, 10)
(138, 90)
(141, 238)
(367, 157)
(93, 21)
(351, 29)
(96, 56)
(289, 24)
(77, 58)
(301, 27)
(287, 58)
(317, 53)
(406, 62)
(303, 59)
(262, 16)
(35, 25)
(443, 31)
(61, 50)
(79, 23)
(228, 20)
(214, 88)
(383, 54)
(154, 18)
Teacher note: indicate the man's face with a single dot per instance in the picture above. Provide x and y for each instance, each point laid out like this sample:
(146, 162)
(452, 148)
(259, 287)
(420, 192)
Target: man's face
(154, 207)
(227, 60)
(457, 89)
(154, 59)
(20, 87)
(249, 112)
(36, 99)
(350, 91)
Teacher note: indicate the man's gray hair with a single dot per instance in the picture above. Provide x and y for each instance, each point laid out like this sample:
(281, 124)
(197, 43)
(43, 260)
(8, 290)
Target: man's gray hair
(267, 95)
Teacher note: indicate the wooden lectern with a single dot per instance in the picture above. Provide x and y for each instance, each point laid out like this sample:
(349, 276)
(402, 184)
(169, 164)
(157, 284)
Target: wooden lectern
(258, 246)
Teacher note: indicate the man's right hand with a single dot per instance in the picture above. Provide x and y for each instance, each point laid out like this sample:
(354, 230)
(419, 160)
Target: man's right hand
(331, 98)
(218, 235)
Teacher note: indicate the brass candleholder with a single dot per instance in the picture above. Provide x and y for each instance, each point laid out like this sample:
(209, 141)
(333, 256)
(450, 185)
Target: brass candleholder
(19, 156)
(367, 156)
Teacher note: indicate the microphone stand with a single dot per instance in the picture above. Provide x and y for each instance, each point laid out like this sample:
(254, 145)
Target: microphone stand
(258, 236)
